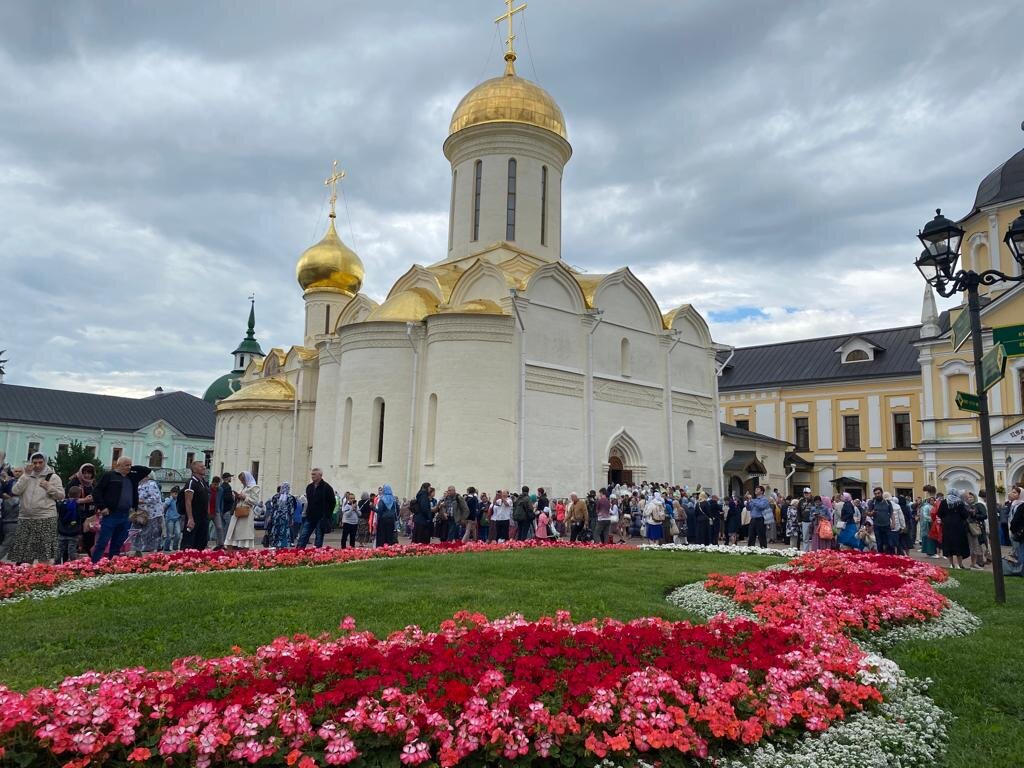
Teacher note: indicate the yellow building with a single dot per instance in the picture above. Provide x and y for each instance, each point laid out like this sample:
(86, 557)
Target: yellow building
(850, 405)
(950, 445)
(879, 408)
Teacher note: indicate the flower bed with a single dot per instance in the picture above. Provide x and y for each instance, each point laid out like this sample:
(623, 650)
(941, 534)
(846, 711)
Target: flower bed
(474, 692)
(860, 600)
(722, 549)
(20, 579)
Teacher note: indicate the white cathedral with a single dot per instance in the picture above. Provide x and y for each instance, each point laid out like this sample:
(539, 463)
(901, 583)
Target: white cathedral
(498, 365)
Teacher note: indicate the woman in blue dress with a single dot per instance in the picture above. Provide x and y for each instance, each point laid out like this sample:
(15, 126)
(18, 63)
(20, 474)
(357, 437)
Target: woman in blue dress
(848, 533)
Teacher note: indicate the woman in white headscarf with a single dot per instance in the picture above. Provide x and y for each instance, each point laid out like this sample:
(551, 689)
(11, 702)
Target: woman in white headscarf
(242, 529)
(654, 518)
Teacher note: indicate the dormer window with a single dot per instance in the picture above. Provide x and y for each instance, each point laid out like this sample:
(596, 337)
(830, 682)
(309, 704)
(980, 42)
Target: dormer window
(856, 356)
(858, 349)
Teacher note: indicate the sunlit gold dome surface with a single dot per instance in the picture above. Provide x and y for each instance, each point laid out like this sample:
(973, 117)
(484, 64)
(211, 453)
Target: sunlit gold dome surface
(409, 306)
(330, 265)
(509, 99)
(270, 389)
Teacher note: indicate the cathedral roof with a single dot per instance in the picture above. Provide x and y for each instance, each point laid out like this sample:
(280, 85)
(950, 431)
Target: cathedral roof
(271, 389)
(1003, 184)
(408, 306)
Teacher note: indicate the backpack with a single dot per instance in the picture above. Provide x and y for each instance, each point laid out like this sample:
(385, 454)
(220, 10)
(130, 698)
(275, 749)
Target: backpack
(825, 529)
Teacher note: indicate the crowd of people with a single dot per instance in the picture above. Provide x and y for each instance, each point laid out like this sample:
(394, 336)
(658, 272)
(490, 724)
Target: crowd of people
(124, 511)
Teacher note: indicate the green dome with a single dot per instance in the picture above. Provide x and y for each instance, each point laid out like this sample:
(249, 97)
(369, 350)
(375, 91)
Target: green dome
(223, 387)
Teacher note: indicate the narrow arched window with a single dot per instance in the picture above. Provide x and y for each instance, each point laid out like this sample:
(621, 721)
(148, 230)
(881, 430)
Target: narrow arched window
(690, 445)
(346, 431)
(478, 179)
(543, 205)
(377, 437)
(327, 319)
(428, 454)
(510, 218)
(451, 210)
(156, 460)
(626, 363)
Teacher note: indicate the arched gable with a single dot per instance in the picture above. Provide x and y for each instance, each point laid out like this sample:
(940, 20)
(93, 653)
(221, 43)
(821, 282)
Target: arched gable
(554, 285)
(356, 311)
(483, 280)
(417, 278)
(623, 445)
(622, 295)
(690, 324)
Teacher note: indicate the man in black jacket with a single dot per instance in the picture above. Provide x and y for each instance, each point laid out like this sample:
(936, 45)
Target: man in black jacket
(320, 502)
(422, 516)
(522, 513)
(116, 496)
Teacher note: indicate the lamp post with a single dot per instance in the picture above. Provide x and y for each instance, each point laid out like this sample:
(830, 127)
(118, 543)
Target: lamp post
(941, 239)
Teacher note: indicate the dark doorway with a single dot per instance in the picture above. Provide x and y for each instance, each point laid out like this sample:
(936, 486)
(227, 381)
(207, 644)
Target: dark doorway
(616, 474)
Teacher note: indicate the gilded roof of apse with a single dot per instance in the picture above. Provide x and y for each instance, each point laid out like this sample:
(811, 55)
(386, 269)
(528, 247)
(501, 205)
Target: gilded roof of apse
(270, 389)
(509, 99)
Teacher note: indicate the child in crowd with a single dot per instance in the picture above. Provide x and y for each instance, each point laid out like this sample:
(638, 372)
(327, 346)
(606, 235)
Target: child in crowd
(69, 525)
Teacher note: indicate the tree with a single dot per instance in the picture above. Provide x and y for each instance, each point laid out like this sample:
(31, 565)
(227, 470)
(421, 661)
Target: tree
(68, 460)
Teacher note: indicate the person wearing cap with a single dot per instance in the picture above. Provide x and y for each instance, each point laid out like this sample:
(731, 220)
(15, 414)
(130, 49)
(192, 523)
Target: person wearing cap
(39, 490)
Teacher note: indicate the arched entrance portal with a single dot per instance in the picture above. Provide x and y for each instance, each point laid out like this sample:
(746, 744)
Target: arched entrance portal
(625, 463)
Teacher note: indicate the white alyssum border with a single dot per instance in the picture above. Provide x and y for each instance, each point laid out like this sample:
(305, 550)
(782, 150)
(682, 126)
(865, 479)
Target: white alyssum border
(696, 599)
(722, 549)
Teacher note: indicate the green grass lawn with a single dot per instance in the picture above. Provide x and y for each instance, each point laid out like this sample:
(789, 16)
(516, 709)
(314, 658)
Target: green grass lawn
(980, 679)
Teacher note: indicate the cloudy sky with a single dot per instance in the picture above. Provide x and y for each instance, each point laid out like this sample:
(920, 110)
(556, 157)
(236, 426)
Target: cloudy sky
(768, 162)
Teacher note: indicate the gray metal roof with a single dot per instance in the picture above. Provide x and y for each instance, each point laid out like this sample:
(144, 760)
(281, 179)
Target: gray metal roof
(1004, 183)
(728, 430)
(188, 414)
(815, 361)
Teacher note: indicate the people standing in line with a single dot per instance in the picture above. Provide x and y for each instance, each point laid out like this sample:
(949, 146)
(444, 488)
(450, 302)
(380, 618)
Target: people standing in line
(473, 517)
(365, 507)
(501, 515)
(577, 517)
(85, 478)
(319, 506)
(486, 530)
(241, 529)
(523, 515)
(881, 509)
(69, 525)
(151, 503)
(39, 489)
(387, 516)
(422, 516)
(793, 523)
(1014, 565)
(172, 522)
(954, 516)
(194, 509)
(116, 498)
(224, 508)
(977, 518)
(924, 513)
(760, 510)
(280, 523)
(349, 520)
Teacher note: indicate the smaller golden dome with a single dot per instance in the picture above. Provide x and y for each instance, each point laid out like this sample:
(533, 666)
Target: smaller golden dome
(270, 389)
(409, 306)
(475, 307)
(330, 265)
(508, 99)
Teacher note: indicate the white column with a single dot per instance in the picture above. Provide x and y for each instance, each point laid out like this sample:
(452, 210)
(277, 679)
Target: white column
(927, 396)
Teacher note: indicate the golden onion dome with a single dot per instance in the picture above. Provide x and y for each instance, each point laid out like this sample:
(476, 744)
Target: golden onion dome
(408, 306)
(270, 389)
(508, 99)
(330, 265)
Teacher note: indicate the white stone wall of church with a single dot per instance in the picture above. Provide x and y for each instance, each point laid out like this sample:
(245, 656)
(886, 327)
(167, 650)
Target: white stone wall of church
(494, 145)
(472, 364)
(376, 361)
(245, 436)
(326, 438)
(556, 433)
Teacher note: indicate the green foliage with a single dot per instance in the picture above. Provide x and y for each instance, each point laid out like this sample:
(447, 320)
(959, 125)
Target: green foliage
(68, 461)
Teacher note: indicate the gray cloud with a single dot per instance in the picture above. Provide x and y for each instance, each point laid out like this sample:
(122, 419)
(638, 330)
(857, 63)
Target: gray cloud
(159, 162)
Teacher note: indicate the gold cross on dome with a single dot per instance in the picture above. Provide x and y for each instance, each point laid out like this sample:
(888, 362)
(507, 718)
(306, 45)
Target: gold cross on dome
(332, 182)
(508, 15)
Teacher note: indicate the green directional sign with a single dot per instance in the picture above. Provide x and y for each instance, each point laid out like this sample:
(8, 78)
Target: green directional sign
(1011, 337)
(965, 401)
(993, 366)
(961, 329)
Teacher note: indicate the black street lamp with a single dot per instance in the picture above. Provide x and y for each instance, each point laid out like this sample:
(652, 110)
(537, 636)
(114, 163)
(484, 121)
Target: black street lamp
(937, 263)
